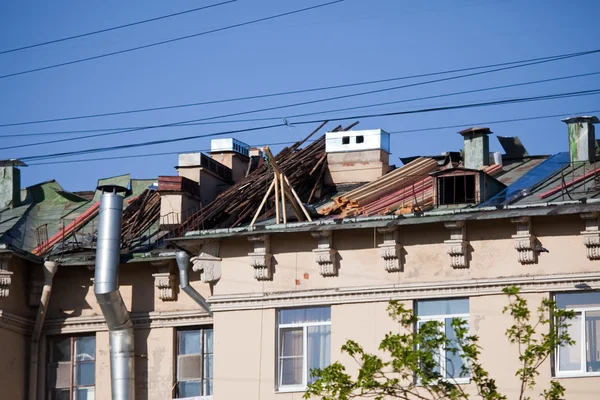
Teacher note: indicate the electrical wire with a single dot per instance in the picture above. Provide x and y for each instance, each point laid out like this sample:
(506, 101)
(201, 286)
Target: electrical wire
(168, 41)
(262, 96)
(504, 121)
(364, 116)
(114, 28)
(313, 113)
(290, 92)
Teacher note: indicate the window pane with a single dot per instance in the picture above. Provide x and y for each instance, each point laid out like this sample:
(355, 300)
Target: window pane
(60, 395)
(319, 348)
(208, 366)
(454, 362)
(59, 375)
(85, 348)
(208, 340)
(61, 350)
(442, 307)
(291, 342)
(291, 371)
(579, 299)
(436, 356)
(592, 335)
(190, 388)
(569, 357)
(189, 342)
(299, 315)
(208, 387)
(84, 373)
(84, 394)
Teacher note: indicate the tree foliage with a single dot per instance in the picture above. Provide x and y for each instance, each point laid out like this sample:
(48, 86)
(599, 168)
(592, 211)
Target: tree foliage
(409, 367)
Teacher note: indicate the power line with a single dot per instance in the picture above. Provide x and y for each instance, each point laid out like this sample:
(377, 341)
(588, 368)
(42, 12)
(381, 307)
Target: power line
(364, 116)
(168, 41)
(114, 28)
(318, 112)
(504, 121)
(261, 96)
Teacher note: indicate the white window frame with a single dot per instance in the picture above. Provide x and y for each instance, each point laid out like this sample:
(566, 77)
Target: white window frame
(203, 355)
(441, 318)
(304, 326)
(583, 345)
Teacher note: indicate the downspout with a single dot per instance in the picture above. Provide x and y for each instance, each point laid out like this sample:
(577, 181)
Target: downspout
(106, 288)
(50, 268)
(183, 261)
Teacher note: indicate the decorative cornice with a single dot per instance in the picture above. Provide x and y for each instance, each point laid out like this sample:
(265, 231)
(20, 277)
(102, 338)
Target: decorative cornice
(591, 235)
(15, 323)
(154, 319)
(524, 241)
(325, 255)
(261, 258)
(390, 250)
(458, 246)
(411, 291)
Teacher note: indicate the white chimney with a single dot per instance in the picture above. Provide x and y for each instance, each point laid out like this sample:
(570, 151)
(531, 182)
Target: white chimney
(356, 156)
(476, 153)
(582, 138)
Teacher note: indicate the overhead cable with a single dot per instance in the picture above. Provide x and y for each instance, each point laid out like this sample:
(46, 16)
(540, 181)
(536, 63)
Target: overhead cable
(146, 46)
(364, 116)
(114, 28)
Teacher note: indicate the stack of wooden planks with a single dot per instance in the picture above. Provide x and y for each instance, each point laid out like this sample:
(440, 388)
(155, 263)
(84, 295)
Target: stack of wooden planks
(141, 212)
(303, 168)
(409, 185)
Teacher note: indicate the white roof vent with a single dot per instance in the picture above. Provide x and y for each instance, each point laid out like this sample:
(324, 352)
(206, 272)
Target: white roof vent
(229, 145)
(372, 139)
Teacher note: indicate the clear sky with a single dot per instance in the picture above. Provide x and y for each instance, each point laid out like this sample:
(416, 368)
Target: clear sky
(352, 41)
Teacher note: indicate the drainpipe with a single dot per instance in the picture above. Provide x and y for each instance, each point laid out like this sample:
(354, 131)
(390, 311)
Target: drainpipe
(106, 288)
(50, 268)
(183, 261)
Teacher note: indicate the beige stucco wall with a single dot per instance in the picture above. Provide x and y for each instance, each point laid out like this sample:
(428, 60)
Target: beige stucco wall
(16, 302)
(13, 364)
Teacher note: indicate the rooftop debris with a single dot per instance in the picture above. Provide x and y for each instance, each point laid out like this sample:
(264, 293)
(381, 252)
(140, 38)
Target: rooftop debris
(236, 205)
(141, 213)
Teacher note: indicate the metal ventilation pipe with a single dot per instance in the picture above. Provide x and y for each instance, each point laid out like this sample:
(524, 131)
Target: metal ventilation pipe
(183, 261)
(106, 288)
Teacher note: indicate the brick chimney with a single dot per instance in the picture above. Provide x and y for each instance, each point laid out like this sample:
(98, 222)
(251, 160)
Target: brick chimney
(582, 138)
(10, 183)
(476, 152)
(356, 156)
(233, 154)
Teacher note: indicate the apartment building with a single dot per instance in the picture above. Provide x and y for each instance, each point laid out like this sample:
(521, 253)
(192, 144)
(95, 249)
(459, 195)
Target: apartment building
(246, 270)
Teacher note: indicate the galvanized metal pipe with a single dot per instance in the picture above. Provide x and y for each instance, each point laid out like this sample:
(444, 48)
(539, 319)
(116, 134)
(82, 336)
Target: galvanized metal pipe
(50, 268)
(183, 261)
(106, 288)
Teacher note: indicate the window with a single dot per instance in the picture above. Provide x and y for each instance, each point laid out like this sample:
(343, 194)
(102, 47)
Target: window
(304, 343)
(360, 139)
(443, 311)
(583, 357)
(456, 189)
(345, 139)
(194, 362)
(71, 368)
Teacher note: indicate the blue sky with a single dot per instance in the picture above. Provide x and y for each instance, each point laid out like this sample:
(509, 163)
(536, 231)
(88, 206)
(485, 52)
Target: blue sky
(352, 41)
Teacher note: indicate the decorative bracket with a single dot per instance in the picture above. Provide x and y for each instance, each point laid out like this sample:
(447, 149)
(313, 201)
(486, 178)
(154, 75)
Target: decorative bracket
(5, 276)
(591, 235)
(524, 241)
(261, 258)
(208, 262)
(457, 245)
(164, 281)
(390, 249)
(325, 254)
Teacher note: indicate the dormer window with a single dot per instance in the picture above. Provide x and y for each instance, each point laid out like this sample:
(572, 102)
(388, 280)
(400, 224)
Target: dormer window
(456, 189)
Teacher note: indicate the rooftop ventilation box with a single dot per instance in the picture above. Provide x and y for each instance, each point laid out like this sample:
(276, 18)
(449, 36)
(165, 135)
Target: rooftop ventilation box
(372, 139)
(229, 145)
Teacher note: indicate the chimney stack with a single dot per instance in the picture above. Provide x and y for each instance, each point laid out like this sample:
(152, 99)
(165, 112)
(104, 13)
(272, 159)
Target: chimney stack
(476, 153)
(233, 154)
(10, 183)
(582, 138)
